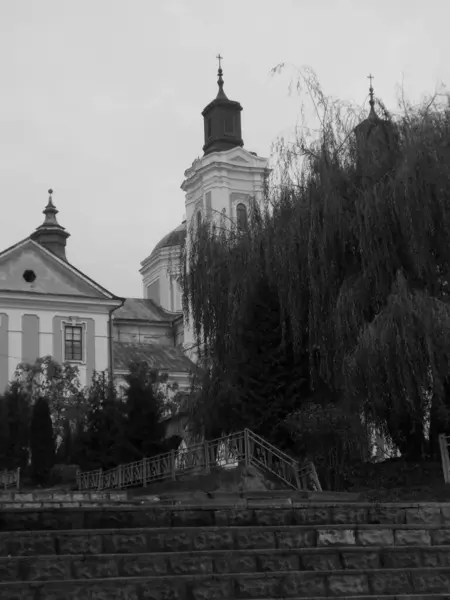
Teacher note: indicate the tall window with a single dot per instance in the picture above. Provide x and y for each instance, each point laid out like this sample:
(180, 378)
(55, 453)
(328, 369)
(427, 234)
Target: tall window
(199, 218)
(209, 128)
(241, 217)
(229, 125)
(73, 349)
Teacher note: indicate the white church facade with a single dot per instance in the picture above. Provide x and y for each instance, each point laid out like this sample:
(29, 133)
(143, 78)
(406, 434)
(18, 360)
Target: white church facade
(218, 187)
(50, 308)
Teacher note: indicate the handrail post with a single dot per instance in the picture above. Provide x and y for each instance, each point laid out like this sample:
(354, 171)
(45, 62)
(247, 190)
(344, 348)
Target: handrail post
(246, 447)
(172, 464)
(207, 462)
(119, 477)
(445, 458)
(144, 472)
(100, 476)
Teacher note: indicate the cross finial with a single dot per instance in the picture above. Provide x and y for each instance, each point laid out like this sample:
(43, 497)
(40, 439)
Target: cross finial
(219, 58)
(370, 77)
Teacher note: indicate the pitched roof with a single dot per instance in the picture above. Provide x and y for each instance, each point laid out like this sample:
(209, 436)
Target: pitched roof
(65, 263)
(162, 358)
(143, 309)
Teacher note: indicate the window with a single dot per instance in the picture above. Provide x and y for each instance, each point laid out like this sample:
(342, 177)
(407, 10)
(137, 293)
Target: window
(199, 218)
(241, 217)
(229, 125)
(73, 349)
(209, 128)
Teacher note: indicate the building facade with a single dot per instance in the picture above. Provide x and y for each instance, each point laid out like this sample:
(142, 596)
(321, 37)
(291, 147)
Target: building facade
(219, 187)
(50, 308)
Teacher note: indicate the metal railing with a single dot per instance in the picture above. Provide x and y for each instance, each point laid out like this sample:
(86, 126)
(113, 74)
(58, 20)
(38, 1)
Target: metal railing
(9, 479)
(444, 445)
(226, 451)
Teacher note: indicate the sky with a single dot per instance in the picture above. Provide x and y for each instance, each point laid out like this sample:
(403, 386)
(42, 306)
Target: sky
(101, 101)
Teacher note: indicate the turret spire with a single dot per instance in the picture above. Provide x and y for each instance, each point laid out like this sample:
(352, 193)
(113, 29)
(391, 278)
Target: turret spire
(221, 93)
(222, 120)
(372, 113)
(51, 234)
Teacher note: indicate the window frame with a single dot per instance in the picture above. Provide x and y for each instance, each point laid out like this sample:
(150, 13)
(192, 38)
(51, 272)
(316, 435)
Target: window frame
(77, 357)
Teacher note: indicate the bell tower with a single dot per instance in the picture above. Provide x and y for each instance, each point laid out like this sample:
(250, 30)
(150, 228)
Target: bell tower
(222, 120)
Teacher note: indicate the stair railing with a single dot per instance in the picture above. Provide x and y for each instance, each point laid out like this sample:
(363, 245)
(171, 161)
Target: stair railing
(227, 451)
(444, 445)
(9, 479)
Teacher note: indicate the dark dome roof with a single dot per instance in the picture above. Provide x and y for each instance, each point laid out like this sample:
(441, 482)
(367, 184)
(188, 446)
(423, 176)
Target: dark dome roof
(174, 238)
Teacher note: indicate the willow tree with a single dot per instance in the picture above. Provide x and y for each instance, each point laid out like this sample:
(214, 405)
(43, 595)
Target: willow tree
(357, 258)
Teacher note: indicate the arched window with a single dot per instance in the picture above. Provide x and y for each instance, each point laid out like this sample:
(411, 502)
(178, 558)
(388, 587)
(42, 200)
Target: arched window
(241, 217)
(199, 218)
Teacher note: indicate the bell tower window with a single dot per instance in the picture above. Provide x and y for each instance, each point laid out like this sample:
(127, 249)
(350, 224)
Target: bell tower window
(209, 128)
(199, 218)
(229, 126)
(241, 217)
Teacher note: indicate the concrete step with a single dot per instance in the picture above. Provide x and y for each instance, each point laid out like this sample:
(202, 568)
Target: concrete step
(244, 586)
(244, 512)
(191, 539)
(62, 496)
(84, 566)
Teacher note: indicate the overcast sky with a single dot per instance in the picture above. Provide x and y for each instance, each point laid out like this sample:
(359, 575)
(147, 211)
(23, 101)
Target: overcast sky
(101, 100)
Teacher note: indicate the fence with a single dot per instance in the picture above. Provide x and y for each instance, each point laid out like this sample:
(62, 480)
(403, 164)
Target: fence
(10, 479)
(444, 444)
(229, 450)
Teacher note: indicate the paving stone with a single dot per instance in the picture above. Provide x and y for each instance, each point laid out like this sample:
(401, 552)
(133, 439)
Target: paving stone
(402, 559)
(375, 537)
(349, 515)
(279, 562)
(412, 537)
(188, 564)
(146, 565)
(269, 517)
(27, 545)
(304, 584)
(321, 561)
(255, 539)
(81, 543)
(431, 582)
(126, 543)
(312, 516)
(296, 538)
(423, 515)
(336, 537)
(440, 537)
(95, 567)
(234, 517)
(9, 570)
(384, 515)
(47, 568)
(236, 563)
(213, 540)
(436, 558)
(193, 518)
(360, 560)
(345, 585)
(258, 587)
(391, 582)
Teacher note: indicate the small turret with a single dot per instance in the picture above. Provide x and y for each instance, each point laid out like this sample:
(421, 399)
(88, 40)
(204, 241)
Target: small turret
(51, 234)
(222, 120)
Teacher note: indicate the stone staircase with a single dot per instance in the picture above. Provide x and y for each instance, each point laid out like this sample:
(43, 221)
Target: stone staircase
(244, 548)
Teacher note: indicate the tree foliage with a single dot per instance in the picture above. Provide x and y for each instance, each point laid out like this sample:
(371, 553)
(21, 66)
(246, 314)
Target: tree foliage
(353, 242)
(42, 442)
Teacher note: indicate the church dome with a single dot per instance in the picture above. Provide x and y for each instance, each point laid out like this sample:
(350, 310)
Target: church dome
(175, 238)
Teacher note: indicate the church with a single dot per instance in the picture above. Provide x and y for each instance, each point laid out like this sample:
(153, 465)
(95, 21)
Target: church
(50, 308)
